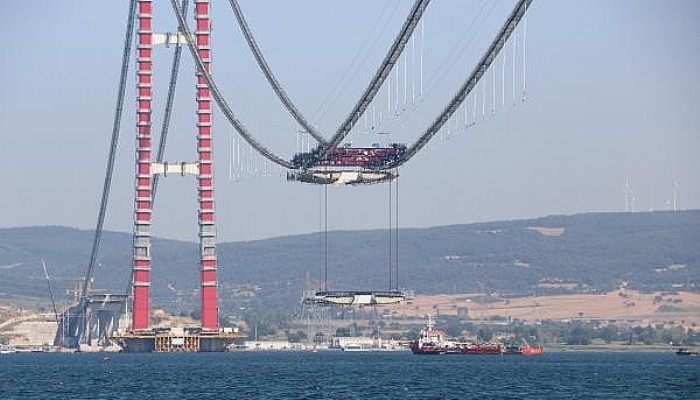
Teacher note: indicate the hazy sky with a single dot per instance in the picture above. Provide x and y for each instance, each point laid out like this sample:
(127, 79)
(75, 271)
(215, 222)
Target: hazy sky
(612, 92)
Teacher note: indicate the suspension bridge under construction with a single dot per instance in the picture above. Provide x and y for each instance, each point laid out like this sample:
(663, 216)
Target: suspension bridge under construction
(329, 162)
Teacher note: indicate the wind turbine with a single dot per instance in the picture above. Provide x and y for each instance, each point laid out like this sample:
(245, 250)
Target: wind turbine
(676, 186)
(629, 196)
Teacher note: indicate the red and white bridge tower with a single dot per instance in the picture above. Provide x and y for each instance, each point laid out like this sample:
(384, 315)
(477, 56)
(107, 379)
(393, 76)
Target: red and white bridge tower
(146, 168)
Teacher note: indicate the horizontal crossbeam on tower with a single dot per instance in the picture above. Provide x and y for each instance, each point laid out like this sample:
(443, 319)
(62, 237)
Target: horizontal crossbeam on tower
(178, 168)
(169, 39)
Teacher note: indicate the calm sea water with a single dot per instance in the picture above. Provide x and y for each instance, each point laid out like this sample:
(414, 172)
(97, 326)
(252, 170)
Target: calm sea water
(338, 375)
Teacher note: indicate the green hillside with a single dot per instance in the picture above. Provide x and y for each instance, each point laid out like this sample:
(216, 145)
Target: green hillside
(585, 252)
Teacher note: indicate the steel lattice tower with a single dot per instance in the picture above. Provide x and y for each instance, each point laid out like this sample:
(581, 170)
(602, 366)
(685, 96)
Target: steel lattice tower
(146, 168)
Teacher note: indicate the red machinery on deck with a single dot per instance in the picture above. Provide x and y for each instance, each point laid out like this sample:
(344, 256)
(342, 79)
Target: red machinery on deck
(352, 157)
(366, 157)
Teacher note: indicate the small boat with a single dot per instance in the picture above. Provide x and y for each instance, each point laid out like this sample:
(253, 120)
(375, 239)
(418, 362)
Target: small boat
(684, 351)
(371, 347)
(353, 347)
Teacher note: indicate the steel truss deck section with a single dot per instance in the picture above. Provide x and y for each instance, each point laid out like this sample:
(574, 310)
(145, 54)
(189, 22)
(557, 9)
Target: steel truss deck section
(340, 177)
(355, 297)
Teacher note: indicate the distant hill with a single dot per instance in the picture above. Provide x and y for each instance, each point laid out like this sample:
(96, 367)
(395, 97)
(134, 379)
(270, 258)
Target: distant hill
(556, 254)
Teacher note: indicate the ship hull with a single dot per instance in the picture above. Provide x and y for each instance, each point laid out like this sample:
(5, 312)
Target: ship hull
(478, 349)
(466, 350)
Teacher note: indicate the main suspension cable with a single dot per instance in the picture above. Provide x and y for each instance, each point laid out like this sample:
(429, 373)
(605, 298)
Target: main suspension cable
(466, 88)
(380, 76)
(450, 61)
(353, 67)
(220, 100)
(116, 123)
(262, 63)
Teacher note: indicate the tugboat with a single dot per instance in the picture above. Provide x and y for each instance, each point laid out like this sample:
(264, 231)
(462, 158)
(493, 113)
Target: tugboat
(525, 350)
(431, 341)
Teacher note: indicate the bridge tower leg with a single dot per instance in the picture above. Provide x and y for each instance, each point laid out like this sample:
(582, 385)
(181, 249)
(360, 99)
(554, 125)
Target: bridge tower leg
(207, 227)
(141, 266)
(205, 178)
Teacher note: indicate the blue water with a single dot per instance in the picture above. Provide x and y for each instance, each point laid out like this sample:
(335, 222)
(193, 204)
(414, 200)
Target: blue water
(338, 375)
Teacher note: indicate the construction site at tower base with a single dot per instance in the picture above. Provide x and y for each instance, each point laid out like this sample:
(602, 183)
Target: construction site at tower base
(174, 341)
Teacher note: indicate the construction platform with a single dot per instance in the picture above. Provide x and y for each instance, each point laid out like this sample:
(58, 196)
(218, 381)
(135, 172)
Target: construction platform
(174, 341)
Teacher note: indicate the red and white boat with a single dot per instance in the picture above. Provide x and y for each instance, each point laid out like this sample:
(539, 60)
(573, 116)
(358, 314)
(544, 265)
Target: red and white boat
(432, 341)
